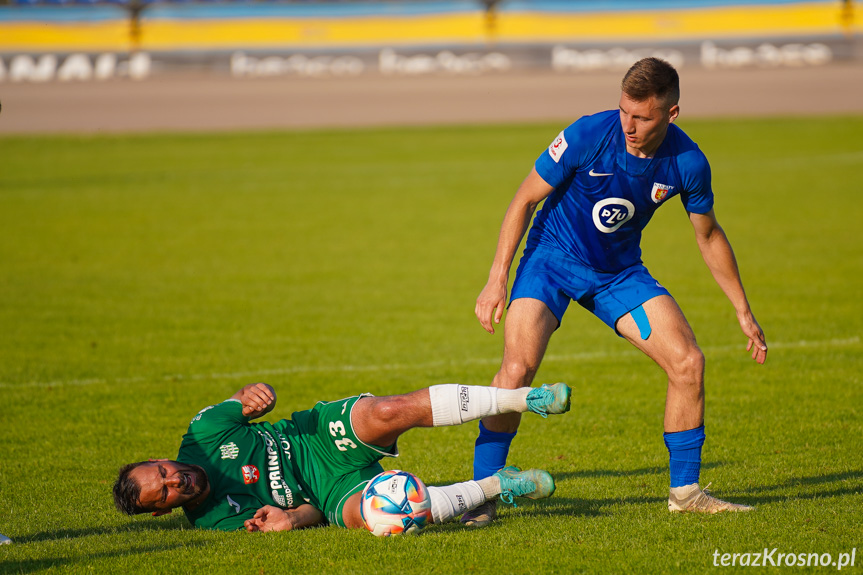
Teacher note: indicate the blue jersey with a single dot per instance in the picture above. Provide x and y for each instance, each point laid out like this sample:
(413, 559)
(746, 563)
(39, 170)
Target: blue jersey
(604, 196)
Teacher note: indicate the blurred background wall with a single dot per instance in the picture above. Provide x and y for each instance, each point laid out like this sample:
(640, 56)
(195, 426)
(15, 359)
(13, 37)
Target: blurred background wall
(69, 40)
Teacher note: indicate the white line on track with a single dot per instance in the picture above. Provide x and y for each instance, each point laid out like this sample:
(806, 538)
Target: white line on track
(802, 344)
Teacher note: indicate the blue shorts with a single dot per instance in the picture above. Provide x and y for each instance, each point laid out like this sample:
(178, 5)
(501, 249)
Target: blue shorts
(555, 278)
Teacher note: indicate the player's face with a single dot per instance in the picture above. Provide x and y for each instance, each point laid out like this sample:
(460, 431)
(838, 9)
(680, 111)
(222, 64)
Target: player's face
(645, 123)
(168, 484)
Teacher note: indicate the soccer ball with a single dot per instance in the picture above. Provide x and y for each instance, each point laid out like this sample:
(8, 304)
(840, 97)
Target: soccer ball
(395, 502)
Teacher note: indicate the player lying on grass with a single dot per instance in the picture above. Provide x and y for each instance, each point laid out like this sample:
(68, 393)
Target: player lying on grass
(311, 469)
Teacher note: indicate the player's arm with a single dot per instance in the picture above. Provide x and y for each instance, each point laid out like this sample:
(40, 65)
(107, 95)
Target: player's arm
(270, 518)
(258, 399)
(492, 301)
(719, 257)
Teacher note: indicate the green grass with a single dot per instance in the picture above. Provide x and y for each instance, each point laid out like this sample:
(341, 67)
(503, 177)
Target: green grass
(144, 277)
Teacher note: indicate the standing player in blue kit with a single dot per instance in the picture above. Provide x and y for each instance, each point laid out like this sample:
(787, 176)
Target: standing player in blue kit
(602, 178)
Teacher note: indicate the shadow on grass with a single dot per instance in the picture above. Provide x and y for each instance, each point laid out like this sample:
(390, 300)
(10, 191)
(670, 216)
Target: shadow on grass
(655, 470)
(557, 506)
(575, 507)
(852, 487)
(760, 499)
(738, 494)
(554, 507)
(814, 480)
(177, 523)
(589, 473)
(32, 565)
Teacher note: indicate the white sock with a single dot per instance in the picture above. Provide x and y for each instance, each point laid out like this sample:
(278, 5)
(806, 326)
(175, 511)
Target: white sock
(490, 486)
(454, 404)
(451, 501)
(685, 491)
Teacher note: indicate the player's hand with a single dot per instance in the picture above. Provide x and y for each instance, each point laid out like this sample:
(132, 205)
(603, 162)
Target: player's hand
(269, 518)
(490, 304)
(757, 342)
(257, 399)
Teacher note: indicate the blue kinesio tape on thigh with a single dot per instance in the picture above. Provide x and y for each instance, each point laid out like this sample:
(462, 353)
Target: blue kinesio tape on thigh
(640, 317)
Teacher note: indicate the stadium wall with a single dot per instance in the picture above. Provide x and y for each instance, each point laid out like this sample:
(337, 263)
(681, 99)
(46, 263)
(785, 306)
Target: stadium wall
(81, 42)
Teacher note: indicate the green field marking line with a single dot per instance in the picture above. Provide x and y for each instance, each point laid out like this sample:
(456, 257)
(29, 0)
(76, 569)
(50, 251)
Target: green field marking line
(802, 344)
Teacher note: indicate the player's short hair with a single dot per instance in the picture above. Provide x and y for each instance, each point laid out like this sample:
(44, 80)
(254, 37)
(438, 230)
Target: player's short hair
(652, 77)
(127, 492)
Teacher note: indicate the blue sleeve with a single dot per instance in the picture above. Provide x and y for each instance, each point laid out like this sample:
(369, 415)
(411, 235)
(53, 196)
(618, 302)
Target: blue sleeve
(697, 194)
(569, 151)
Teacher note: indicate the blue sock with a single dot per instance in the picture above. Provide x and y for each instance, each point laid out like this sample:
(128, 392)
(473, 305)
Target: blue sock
(684, 452)
(490, 452)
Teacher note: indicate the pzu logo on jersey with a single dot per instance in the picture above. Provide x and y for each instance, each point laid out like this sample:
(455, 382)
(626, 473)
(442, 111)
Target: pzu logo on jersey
(611, 213)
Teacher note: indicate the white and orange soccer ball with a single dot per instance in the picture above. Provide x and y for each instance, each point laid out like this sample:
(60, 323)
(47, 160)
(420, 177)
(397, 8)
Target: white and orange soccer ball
(395, 502)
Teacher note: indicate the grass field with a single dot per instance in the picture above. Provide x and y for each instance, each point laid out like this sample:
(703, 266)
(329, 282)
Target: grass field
(145, 277)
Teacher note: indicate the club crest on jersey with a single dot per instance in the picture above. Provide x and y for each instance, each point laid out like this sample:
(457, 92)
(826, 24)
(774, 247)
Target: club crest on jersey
(250, 474)
(229, 450)
(557, 148)
(660, 192)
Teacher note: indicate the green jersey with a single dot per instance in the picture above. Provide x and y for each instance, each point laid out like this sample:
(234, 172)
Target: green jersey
(248, 466)
(315, 457)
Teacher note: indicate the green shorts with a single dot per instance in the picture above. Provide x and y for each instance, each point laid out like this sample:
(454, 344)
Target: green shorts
(332, 462)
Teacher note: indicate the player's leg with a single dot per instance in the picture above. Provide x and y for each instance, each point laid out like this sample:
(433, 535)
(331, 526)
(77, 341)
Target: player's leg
(351, 512)
(380, 420)
(450, 501)
(527, 330)
(346, 439)
(659, 329)
(672, 346)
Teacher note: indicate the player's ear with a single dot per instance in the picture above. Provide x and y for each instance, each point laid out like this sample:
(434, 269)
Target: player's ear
(673, 112)
(162, 512)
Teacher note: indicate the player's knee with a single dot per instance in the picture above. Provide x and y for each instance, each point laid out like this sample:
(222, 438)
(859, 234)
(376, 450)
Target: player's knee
(688, 367)
(515, 374)
(387, 410)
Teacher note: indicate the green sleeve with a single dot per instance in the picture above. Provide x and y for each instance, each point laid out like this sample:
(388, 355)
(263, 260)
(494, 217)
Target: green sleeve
(232, 522)
(212, 421)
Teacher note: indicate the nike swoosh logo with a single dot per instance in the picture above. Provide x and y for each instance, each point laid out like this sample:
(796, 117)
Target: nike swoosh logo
(596, 175)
